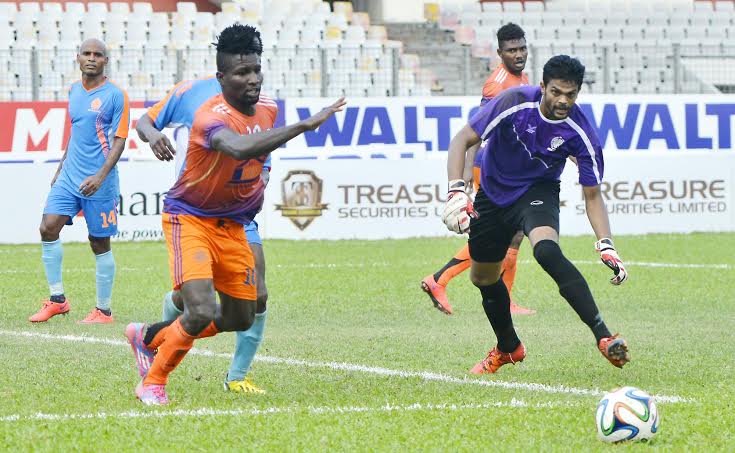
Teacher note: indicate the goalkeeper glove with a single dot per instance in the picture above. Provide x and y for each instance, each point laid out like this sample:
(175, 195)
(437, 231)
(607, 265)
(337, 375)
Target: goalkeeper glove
(458, 211)
(610, 257)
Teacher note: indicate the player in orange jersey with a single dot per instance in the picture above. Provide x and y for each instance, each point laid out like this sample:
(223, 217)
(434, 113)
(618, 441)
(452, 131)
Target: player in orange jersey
(219, 190)
(513, 55)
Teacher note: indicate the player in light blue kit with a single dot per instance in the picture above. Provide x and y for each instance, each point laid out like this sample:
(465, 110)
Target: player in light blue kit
(87, 181)
(177, 110)
(528, 133)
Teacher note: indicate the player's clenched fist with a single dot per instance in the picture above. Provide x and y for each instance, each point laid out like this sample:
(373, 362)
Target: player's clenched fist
(610, 257)
(458, 211)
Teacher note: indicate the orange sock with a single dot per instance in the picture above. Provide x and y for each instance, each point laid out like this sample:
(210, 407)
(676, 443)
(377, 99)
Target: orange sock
(158, 338)
(458, 264)
(170, 353)
(508, 269)
(209, 331)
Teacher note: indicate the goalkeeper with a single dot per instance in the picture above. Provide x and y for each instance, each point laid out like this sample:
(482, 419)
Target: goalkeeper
(528, 133)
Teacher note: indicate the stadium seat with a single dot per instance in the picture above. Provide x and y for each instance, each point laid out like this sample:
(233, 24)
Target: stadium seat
(231, 8)
(725, 6)
(186, 8)
(8, 10)
(515, 7)
(343, 8)
(675, 34)
(705, 6)
(31, 9)
(464, 35)
(142, 9)
(119, 8)
(97, 9)
(492, 7)
(533, 6)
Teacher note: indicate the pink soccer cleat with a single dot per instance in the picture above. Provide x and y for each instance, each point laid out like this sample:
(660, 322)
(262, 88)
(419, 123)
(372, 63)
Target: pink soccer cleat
(143, 355)
(151, 394)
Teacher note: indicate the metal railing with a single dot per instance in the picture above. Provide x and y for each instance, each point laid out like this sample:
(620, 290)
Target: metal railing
(147, 74)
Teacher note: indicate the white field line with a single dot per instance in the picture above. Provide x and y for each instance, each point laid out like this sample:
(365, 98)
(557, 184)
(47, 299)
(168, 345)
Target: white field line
(341, 366)
(319, 410)
(387, 264)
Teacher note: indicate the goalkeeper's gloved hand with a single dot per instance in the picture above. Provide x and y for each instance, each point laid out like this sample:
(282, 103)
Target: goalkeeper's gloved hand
(610, 257)
(458, 211)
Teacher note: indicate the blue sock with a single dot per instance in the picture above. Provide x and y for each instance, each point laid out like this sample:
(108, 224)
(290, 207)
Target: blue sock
(105, 277)
(170, 312)
(245, 348)
(51, 254)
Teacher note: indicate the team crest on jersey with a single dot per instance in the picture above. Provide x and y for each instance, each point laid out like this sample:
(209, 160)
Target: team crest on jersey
(221, 108)
(556, 142)
(302, 197)
(95, 105)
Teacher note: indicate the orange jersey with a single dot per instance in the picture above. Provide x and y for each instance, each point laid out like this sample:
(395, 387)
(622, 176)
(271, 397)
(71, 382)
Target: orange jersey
(212, 184)
(500, 80)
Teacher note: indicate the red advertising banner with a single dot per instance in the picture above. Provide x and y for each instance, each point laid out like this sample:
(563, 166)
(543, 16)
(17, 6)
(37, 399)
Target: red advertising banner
(29, 129)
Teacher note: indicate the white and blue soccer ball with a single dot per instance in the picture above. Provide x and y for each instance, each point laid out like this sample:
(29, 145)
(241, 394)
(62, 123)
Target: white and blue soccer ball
(626, 413)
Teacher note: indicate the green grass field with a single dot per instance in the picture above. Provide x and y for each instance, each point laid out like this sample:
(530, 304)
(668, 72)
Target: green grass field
(349, 335)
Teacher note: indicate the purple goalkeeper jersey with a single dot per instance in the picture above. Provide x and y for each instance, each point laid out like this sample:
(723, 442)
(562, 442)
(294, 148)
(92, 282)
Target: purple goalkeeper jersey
(521, 147)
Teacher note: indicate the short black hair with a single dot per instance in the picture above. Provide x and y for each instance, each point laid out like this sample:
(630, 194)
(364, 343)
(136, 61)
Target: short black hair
(237, 39)
(509, 32)
(564, 67)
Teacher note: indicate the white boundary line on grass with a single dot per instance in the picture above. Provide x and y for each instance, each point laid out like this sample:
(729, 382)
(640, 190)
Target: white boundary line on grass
(386, 264)
(341, 366)
(311, 410)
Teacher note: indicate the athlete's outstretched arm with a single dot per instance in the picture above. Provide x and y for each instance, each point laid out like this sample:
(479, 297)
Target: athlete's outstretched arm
(596, 211)
(464, 139)
(249, 146)
(160, 144)
(92, 183)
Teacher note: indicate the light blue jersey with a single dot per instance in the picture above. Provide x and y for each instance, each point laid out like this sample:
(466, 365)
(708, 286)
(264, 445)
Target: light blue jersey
(97, 117)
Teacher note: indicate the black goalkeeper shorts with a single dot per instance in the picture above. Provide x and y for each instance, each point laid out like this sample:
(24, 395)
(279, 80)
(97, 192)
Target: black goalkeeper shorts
(492, 232)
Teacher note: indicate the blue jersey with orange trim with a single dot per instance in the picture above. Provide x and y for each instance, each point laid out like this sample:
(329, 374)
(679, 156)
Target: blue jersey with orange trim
(211, 183)
(177, 109)
(97, 117)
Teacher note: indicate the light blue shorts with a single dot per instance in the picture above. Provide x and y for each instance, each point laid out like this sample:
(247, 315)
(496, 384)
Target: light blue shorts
(101, 215)
(251, 231)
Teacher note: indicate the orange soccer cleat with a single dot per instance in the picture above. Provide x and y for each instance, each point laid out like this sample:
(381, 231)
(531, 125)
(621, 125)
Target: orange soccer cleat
(437, 293)
(97, 317)
(615, 350)
(49, 310)
(495, 359)
(518, 310)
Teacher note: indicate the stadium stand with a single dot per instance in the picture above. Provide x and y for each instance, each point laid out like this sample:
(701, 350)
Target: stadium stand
(311, 49)
(628, 46)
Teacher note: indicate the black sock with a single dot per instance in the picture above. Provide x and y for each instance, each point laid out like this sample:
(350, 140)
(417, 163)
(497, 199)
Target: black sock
(496, 302)
(451, 263)
(107, 312)
(572, 285)
(153, 329)
(57, 298)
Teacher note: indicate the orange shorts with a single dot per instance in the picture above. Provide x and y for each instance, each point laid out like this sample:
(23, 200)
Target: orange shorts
(210, 248)
(476, 178)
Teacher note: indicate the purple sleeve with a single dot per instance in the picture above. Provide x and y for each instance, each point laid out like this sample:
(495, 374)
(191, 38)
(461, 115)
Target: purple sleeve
(588, 152)
(209, 131)
(492, 112)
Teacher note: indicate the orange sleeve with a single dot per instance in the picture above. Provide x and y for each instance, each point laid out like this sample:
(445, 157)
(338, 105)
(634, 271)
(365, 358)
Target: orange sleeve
(491, 89)
(124, 126)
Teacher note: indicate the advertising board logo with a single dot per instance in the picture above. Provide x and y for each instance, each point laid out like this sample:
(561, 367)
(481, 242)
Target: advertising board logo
(302, 197)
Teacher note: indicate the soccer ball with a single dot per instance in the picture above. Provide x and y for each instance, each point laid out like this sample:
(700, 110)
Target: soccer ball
(626, 413)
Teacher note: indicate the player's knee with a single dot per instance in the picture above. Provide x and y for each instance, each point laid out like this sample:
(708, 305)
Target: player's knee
(547, 252)
(261, 300)
(244, 319)
(483, 279)
(48, 233)
(199, 315)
